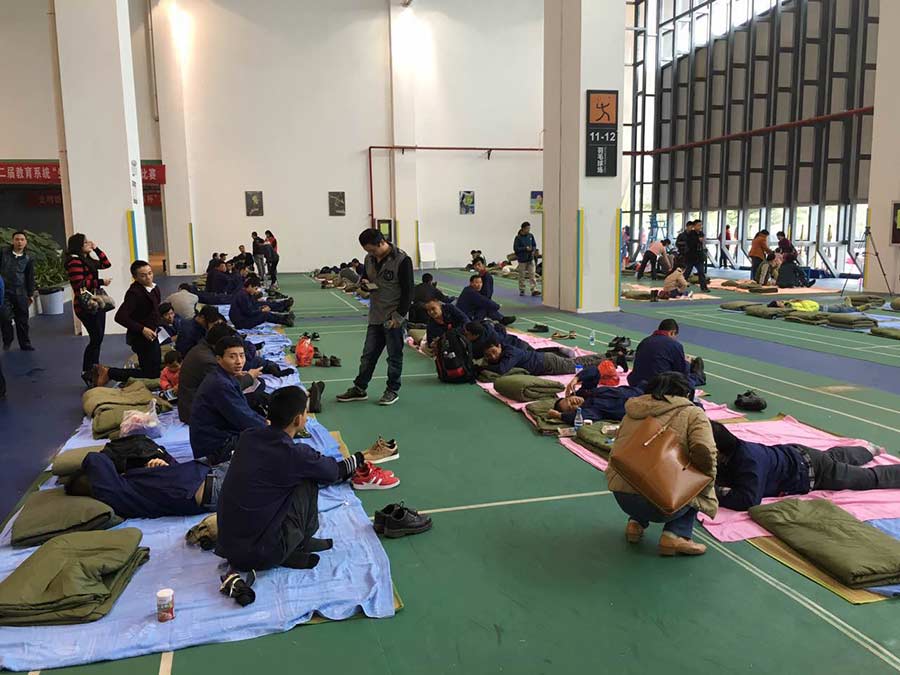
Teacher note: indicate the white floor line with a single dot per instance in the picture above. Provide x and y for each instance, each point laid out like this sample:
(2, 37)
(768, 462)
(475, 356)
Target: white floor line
(356, 308)
(376, 377)
(165, 663)
(863, 640)
(513, 502)
(774, 379)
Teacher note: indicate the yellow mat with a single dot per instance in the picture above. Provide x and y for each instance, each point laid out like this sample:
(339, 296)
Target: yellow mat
(775, 548)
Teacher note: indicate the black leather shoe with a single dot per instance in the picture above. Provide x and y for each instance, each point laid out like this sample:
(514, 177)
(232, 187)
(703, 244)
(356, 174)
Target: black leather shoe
(382, 515)
(404, 521)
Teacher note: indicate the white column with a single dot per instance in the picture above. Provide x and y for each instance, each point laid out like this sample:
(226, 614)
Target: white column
(404, 186)
(584, 46)
(172, 38)
(100, 117)
(884, 172)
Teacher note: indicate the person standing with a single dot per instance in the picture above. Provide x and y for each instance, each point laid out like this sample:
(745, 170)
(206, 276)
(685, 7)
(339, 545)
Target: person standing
(272, 257)
(139, 314)
(389, 280)
(17, 269)
(695, 253)
(723, 248)
(656, 257)
(84, 275)
(2, 377)
(525, 248)
(259, 255)
(759, 249)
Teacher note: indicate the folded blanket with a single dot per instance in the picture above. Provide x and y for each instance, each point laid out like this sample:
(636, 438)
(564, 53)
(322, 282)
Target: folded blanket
(538, 411)
(67, 463)
(893, 333)
(526, 387)
(852, 321)
(636, 295)
(107, 417)
(491, 376)
(865, 299)
(763, 312)
(135, 394)
(591, 438)
(811, 318)
(49, 513)
(763, 289)
(75, 578)
(853, 552)
(737, 305)
(151, 384)
(730, 283)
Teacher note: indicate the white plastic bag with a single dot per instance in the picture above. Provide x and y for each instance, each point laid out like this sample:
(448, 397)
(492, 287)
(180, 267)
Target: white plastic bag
(135, 422)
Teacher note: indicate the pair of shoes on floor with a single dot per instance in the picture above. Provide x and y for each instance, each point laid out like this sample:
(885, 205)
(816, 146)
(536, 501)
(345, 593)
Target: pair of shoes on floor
(371, 477)
(315, 337)
(669, 544)
(539, 328)
(327, 362)
(383, 451)
(316, 389)
(561, 335)
(620, 342)
(354, 393)
(234, 586)
(397, 520)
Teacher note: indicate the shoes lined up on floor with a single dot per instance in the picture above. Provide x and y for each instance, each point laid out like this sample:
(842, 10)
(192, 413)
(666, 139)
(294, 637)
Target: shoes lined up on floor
(327, 362)
(354, 393)
(398, 520)
(383, 451)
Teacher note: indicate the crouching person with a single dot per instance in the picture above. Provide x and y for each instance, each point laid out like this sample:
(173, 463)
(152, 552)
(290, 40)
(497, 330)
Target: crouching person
(268, 509)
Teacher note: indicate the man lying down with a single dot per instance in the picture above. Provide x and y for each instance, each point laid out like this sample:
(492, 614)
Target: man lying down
(598, 395)
(749, 472)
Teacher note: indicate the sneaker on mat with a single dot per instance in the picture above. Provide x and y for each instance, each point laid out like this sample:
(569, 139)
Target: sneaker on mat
(389, 397)
(671, 545)
(354, 393)
(370, 477)
(404, 521)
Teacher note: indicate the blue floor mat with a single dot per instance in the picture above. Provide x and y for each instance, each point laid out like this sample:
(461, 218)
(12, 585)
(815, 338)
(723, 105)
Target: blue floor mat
(353, 576)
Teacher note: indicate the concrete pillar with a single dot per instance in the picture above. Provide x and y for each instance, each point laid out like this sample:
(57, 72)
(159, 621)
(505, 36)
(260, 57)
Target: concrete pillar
(101, 130)
(172, 38)
(884, 173)
(584, 47)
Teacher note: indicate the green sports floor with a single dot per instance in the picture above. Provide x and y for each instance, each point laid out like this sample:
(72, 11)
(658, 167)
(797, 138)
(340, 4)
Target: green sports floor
(527, 569)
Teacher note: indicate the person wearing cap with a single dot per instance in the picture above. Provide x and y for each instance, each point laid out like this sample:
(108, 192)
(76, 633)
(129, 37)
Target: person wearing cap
(598, 395)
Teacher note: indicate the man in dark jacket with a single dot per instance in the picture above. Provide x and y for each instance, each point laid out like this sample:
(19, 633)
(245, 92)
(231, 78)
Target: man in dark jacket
(501, 359)
(217, 278)
(662, 353)
(139, 314)
(247, 311)
(17, 270)
(441, 317)
(268, 506)
(478, 307)
(193, 331)
(389, 280)
(2, 377)
(487, 280)
(220, 411)
(480, 334)
(259, 255)
(525, 248)
(423, 293)
(244, 257)
(749, 472)
(695, 253)
(199, 363)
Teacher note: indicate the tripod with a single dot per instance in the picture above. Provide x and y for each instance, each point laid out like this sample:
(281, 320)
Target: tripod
(869, 239)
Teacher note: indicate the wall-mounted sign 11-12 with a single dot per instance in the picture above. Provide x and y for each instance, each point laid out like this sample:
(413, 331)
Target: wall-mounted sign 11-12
(602, 133)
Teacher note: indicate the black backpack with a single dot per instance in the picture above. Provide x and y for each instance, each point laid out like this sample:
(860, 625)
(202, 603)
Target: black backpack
(750, 400)
(453, 358)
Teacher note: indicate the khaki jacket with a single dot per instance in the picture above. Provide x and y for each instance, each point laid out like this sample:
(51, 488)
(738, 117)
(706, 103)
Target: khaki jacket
(675, 281)
(690, 424)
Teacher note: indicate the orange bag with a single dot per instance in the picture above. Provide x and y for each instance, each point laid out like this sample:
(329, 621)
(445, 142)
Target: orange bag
(304, 352)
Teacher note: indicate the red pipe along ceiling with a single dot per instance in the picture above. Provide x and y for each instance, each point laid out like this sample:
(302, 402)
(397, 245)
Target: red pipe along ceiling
(439, 148)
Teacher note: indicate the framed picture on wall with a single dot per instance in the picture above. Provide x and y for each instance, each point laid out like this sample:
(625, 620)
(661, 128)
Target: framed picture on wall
(537, 201)
(337, 204)
(253, 200)
(467, 202)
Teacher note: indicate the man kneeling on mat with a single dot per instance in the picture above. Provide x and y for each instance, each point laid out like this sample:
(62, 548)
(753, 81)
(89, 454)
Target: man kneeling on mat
(503, 358)
(600, 397)
(268, 507)
(750, 472)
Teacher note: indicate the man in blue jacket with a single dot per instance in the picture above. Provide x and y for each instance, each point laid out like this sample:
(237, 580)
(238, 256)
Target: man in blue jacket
(663, 353)
(248, 312)
(220, 411)
(441, 317)
(483, 333)
(525, 248)
(749, 472)
(478, 307)
(217, 278)
(268, 506)
(193, 331)
(17, 270)
(487, 279)
(501, 359)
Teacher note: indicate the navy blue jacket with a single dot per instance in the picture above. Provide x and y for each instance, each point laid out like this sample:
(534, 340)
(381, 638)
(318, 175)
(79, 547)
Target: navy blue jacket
(235, 282)
(216, 281)
(146, 493)
(189, 335)
(475, 305)
(487, 285)
(453, 317)
(520, 243)
(516, 357)
(603, 403)
(245, 312)
(256, 494)
(220, 412)
(657, 354)
(495, 332)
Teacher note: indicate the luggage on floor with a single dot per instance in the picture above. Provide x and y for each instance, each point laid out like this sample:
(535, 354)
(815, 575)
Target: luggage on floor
(453, 358)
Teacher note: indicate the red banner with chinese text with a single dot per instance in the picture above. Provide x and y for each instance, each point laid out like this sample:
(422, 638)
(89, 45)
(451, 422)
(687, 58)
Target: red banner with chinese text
(47, 173)
(41, 198)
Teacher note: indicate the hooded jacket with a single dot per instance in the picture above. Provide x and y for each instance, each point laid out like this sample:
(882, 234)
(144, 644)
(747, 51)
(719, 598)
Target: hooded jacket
(689, 424)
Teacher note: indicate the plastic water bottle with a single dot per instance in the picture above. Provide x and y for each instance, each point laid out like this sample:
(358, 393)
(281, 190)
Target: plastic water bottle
(592, 339)
(578, 369)
(579, 419)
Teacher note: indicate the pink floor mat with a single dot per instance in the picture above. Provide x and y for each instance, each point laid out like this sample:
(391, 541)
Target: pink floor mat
(812, 290)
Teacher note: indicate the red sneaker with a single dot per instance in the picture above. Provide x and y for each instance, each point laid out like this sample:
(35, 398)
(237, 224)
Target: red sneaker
(372, 477)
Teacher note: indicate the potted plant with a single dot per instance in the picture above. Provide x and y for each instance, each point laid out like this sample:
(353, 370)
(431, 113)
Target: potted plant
(49, 271)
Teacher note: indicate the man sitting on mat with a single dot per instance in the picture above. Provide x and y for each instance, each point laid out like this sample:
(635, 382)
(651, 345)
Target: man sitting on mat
(501, 359)
(482, 333)
(220, 411)
(441, 317)
(268, 507)
(663, 353)
(749, 472)
(487, 280)
(247, 311)
(598, 395)
(475, 305)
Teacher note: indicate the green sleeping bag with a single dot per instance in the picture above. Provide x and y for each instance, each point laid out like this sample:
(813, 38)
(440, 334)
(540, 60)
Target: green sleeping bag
(763, 312)
(49, 513)
(736, 305)
(524, 388)
(892, 333)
